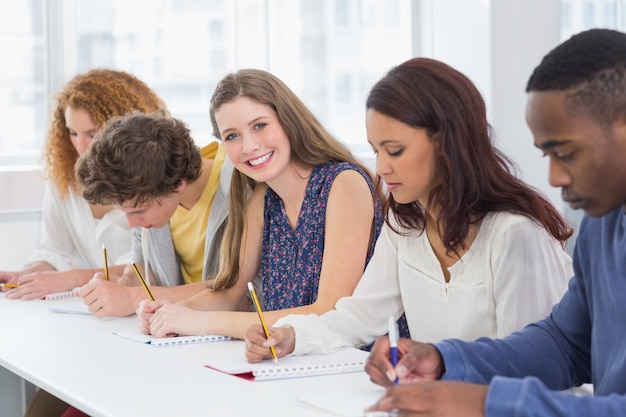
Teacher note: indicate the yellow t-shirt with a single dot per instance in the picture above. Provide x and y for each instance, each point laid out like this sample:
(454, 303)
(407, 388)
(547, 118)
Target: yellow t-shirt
(188, 227)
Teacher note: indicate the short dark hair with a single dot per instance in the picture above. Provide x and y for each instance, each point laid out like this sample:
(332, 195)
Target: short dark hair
(591, 67)
(138, 157)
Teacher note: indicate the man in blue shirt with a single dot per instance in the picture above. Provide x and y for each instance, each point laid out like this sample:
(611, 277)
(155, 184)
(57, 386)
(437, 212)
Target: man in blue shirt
(576, 111)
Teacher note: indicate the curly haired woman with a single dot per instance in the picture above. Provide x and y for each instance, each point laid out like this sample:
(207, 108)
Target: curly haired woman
(73, 231)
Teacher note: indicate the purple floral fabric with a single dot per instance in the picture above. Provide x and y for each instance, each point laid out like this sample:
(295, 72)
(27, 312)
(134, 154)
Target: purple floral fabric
(292, 260)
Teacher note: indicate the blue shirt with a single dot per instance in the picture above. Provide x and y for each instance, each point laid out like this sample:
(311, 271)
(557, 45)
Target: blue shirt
(583, 340)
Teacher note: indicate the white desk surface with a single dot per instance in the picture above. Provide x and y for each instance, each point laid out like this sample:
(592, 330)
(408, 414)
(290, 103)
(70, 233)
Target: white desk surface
(80, 360)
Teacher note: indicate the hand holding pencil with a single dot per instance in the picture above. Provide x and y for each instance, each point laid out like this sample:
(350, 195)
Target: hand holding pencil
(257, 343)
(36, 284)
(9, 280)
(265, 343)
(257, 305)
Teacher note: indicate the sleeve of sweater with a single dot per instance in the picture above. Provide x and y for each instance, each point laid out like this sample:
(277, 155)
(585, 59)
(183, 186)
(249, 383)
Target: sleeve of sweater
(530, 397)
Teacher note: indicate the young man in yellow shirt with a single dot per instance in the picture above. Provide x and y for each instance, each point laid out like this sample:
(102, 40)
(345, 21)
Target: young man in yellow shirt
(175, 197)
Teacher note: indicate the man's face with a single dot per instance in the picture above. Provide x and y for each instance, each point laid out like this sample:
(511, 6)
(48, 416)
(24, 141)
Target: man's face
(155, 213)
(587, 160)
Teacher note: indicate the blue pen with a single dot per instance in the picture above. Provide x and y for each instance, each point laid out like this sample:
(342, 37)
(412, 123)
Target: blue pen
(393, 343)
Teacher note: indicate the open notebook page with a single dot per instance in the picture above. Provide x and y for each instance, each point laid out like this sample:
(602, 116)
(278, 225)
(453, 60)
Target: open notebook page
(348, 402)
(343, 361)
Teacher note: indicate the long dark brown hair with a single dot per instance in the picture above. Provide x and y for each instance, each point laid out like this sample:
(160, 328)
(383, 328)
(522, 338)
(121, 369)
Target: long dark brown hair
(474, 178)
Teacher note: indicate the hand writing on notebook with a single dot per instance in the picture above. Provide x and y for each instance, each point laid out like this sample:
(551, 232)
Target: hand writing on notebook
(258, 346)
(417, 362)
(107, 298)
(419, 365)
(8, 277)
(35, 285)
(166, 319)
(145, 311)
(443, 398)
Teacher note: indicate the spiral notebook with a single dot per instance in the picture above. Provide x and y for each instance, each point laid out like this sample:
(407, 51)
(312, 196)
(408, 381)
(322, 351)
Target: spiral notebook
(342, 361)
(61, 295)
(137, 336)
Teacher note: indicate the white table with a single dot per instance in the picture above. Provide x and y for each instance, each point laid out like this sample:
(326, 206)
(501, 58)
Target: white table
(78, 359)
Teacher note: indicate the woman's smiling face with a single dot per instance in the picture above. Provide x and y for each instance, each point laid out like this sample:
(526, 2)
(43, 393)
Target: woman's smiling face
(254, 138)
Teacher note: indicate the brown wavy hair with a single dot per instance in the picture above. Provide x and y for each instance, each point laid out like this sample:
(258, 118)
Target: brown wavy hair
(138, 157)
(311, 145)
(475, 178)
(102, 93)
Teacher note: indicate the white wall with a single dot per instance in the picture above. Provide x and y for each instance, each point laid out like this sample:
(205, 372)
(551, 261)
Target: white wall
(497, 44)
(522, 33)
(19, 232)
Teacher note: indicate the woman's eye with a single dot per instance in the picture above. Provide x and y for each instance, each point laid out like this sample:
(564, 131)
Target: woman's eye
(395, 152)
(259, 126)
(230, 136)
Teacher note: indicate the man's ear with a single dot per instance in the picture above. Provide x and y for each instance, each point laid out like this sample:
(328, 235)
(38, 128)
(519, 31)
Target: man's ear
(182, 186)
(618, 129)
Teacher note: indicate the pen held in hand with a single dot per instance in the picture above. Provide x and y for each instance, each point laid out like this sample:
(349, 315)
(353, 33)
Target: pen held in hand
(6, 285)
(258, 310)
(143, 282)
(393, 344)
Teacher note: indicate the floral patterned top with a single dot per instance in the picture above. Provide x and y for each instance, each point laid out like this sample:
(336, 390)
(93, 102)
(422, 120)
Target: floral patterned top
(292, 260)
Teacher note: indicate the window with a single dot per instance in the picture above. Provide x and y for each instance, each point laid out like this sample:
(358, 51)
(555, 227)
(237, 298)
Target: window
(182, 52)
(21, 82)
(343, 88)
(579, 15)
(341, 12)
(183, 48)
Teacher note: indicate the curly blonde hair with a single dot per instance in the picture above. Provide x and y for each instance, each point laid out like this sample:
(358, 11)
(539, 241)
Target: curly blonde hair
(103, 94)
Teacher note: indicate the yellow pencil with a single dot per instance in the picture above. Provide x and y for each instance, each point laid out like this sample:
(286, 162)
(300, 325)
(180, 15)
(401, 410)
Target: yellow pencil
(9, 285)
(258, 310)
(145, 286)
(106, 262)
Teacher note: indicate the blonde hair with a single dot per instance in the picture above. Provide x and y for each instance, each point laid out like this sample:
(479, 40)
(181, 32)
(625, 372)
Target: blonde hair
(311, 145)
(103, 94)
